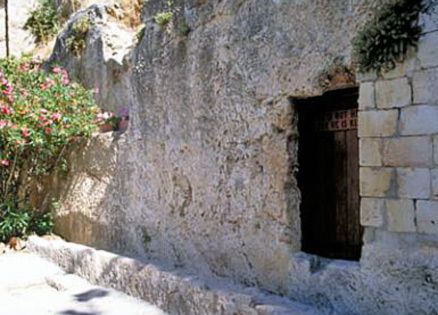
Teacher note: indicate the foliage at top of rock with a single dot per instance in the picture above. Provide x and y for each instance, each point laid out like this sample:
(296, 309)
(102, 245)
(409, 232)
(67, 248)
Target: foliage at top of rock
(76, 42)
(385, 39)
(43, 22)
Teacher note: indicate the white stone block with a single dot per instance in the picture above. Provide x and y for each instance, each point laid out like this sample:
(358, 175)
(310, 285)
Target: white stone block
(429, 22)
(376, 182)
(393, 93)
(428, 50)
(371, 212)
(434, 178)
(419, 120)
(370, 152)
(401, 215)
(408, 151)
(378, 123)
(413, 183)
(425, 86)
(367, 96)
(427, 216)
(367, 76)
(435, 149)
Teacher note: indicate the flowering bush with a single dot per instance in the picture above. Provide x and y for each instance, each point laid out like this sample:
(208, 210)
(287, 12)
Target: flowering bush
(41, 113)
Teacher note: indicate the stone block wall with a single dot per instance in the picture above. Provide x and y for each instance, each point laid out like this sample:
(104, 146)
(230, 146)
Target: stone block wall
(398, 131)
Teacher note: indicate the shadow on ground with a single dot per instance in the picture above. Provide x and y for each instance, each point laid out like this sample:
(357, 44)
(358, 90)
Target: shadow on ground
(91, 294)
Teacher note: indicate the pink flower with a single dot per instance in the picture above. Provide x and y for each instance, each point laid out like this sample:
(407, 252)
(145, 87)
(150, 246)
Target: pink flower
(25, 132)
(65, 78)
(47, 85)
(3, 124)
(43, 111)
(24, 92)
(44, 121)
(25, 67)
(4, 163)
(104, 116)
(100, 116)
(6, 110)
(7, 89)
(48, 130)
(57, 70)
(56, 116)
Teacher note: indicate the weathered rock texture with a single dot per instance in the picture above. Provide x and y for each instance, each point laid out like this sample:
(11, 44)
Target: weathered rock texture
(20, 40)
(102, 65)
(175, 291)
(205, 175)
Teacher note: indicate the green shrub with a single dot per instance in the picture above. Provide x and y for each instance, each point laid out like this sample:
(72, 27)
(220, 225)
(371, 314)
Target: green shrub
(41, 113)
(13, 222)
(77, 40)
(385, 39)
(41, 223)
(163, 18)
(19, 222)
(43, 22)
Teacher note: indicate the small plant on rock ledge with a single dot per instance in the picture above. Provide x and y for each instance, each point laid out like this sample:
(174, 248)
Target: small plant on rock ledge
(77, 40)
(386, 38)
(163, 18)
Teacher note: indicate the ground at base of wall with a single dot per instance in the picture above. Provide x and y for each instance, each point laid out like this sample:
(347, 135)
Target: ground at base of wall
(173, 291)
(31, 285)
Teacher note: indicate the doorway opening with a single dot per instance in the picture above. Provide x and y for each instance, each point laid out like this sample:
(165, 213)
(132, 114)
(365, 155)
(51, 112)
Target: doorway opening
(328, 175)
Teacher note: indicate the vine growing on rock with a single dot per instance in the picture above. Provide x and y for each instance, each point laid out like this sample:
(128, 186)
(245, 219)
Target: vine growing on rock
(41, 113)
(386, 38)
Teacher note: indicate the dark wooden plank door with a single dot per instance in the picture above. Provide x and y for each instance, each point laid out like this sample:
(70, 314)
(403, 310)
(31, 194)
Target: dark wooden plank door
(329, 176)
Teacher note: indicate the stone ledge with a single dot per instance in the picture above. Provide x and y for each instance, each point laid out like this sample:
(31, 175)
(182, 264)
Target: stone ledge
(172, 290)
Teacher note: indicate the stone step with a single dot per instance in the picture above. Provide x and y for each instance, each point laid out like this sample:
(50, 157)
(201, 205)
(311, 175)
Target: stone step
(175, 291)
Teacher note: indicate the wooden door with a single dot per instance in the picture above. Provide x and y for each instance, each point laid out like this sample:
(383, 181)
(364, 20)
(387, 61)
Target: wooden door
(329, 175)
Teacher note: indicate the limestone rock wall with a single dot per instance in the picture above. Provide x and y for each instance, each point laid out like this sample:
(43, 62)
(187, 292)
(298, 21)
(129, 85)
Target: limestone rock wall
(204, 177)
(104, 65)
(21, 41)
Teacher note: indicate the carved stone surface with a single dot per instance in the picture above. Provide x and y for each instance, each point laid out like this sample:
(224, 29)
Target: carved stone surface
(204, 177)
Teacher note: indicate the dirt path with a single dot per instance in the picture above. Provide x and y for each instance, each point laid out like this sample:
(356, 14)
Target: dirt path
(30, 285)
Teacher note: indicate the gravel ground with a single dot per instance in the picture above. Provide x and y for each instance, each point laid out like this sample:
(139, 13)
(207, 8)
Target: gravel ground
(30, 285)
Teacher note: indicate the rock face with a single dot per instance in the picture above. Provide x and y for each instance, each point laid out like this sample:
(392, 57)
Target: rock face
(21, 41)
(206, 170)
(104, 61)
(204, 177)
